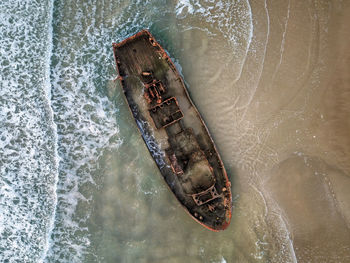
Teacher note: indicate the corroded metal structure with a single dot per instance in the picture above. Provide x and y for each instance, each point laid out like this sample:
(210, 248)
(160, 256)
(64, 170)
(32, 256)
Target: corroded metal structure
(173, 130)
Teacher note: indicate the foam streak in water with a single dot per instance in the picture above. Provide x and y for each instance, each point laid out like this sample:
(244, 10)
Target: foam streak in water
(261, 64)
(53, 124)
(282, 44)
(248, 42)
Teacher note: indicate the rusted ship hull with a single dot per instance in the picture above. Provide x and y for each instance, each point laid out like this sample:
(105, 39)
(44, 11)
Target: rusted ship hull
(173, 130)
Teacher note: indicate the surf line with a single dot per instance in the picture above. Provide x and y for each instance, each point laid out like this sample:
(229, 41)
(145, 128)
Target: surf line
(47, 91)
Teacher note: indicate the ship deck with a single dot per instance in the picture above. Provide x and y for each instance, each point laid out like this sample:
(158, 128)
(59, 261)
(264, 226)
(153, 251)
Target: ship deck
(173, 130)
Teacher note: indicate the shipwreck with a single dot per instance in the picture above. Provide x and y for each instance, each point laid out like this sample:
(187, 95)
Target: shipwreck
(173, 130)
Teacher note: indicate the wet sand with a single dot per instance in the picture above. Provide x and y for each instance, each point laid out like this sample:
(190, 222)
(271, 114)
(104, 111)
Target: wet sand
(283, 124)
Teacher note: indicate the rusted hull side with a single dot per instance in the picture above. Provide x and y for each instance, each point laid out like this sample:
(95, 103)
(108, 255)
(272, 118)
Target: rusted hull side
(173, 130)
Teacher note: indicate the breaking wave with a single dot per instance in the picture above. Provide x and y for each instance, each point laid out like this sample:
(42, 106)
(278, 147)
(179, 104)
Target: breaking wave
(28, 141)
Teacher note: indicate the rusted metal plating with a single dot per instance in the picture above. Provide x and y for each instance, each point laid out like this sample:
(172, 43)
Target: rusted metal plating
(154, 89)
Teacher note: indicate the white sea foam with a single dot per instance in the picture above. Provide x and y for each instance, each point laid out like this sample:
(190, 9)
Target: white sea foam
(54, 127)
(186, 6)
(82, 67)
(28, 165)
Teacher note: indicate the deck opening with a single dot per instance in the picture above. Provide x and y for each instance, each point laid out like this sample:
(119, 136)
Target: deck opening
(166, 113)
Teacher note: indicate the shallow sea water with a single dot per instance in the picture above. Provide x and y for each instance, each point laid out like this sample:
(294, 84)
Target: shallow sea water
(271, 80)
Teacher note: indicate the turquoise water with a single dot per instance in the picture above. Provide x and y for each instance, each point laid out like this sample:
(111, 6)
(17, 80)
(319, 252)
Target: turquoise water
(77, 183)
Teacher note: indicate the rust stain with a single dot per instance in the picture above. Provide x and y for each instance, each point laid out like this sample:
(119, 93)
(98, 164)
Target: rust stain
(166, 112)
